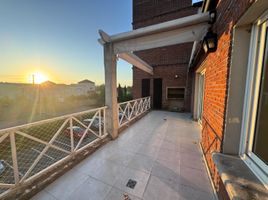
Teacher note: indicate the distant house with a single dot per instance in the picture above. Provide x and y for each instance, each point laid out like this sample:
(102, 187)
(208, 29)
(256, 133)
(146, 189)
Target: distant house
(62, 91)
(48, 89)
(16, 90)
(82, 88)
(86, 81)
(49, 84)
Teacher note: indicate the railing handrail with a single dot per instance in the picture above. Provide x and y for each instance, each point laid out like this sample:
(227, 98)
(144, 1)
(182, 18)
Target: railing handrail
(130, 111)
(52, 144)
(28, 125)
(133, 100)
(60, 138)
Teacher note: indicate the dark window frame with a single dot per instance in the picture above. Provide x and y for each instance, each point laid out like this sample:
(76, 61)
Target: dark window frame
(181, 94)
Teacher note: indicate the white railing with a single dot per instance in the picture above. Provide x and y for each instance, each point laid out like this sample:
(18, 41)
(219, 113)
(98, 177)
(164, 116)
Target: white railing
(129, 110)
(29, 151)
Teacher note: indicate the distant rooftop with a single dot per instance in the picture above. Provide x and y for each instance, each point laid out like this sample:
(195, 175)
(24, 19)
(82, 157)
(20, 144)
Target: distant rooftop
(86, 81)
(47, 83)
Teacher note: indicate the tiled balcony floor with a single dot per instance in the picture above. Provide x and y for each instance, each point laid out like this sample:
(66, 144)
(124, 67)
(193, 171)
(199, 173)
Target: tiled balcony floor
(160, 152)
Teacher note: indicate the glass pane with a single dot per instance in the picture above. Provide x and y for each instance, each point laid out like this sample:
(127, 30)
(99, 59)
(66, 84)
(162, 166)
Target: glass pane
(200, 96)
(260, 147)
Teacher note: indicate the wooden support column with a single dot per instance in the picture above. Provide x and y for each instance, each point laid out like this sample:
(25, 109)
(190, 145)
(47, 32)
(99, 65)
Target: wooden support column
(111, 90)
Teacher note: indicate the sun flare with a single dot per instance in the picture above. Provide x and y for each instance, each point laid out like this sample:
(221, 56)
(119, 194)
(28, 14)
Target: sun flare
(39, 78)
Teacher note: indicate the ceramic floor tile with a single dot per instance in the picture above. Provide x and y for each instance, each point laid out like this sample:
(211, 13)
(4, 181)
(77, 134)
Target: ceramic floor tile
(65, 185)
(160, 151)
(132, 147)
(167, 170)
(161, 189)
(190, 148)
(91, 189)
(142, 163)
(116, 194)
(89, 166)
(156, 142)
(43, 195)
(170, 146)
(195, 179)
(150, 151)
(188, 193)
(120, 157)
(108, 172)
(192, 161)
(168, 155)
(140, 177)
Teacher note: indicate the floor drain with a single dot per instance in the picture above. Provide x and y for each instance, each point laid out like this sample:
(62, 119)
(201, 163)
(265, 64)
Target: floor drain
(131, 183)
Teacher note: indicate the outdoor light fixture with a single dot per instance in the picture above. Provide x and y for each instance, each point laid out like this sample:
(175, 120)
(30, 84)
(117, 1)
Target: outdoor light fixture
(210, 42)
(213, 16)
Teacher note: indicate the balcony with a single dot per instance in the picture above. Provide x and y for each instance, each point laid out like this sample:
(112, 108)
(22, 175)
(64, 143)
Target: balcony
(160, 153)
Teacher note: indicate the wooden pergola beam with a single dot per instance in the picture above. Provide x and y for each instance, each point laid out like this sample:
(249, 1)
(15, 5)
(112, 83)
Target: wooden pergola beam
(182, 30)
(189, 34)
(136, 61)
(128, 56)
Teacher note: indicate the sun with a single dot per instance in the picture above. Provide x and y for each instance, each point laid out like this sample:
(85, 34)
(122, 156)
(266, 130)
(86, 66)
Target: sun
(39, 77)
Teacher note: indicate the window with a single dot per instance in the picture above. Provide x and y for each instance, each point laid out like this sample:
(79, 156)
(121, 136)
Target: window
(254, 145)
(175, 93)
(260, 141)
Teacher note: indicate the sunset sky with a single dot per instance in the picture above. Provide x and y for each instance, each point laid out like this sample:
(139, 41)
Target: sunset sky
(58, 38)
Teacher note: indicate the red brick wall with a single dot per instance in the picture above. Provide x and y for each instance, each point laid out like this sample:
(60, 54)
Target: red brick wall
(167, 61)
(166, 72)
(148, 12)
(216, 80)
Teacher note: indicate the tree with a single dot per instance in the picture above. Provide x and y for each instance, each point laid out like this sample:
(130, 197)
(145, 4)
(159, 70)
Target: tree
(128, 96)
(100, 90)
(5, 101)
(120, 93)
(125, 92)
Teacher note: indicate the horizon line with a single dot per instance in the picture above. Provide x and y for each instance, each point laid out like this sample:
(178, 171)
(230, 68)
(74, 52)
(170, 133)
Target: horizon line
(25, 83)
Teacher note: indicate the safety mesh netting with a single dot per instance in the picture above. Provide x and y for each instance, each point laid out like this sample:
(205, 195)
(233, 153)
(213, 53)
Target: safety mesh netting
(39, 145)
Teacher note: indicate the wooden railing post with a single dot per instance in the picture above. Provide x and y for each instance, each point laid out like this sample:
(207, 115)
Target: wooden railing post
(72, 134)
(14, 158)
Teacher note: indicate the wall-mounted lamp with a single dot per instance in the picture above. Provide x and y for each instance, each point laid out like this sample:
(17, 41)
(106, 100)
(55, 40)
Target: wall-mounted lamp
(176, 76)
(210, 42)
(213, 16)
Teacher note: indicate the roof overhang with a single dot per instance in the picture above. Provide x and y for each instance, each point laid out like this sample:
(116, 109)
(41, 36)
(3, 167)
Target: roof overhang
(187, 29)
(182, 30)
